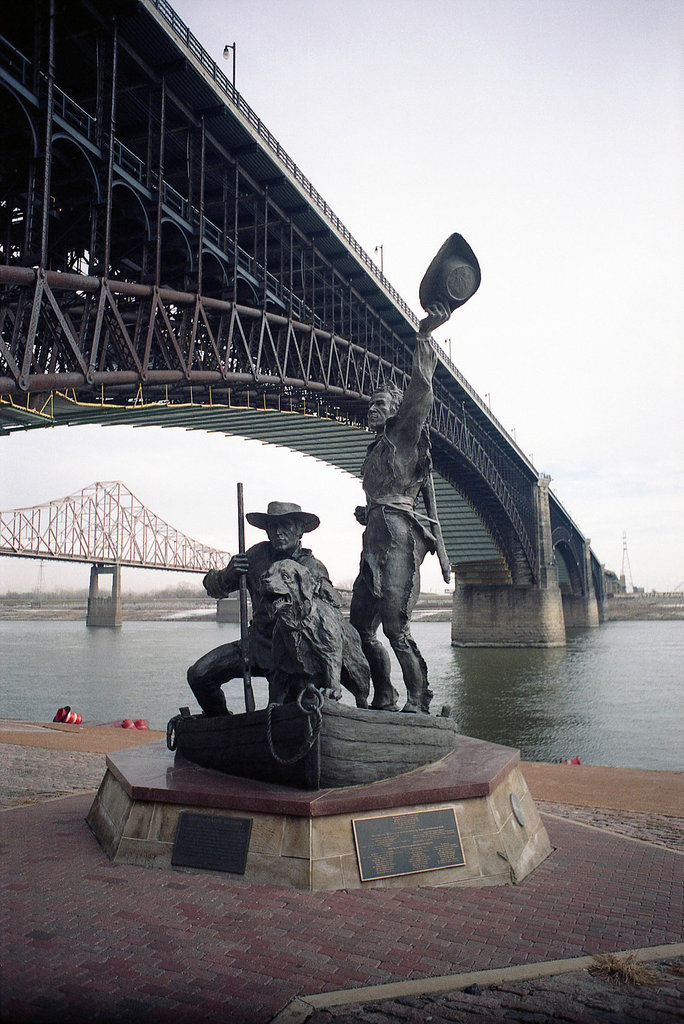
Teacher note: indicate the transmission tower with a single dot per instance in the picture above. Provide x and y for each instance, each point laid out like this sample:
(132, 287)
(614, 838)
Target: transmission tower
(626, 568)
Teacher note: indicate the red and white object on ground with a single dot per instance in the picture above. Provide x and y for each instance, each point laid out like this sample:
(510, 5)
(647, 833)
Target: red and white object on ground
(67, 716)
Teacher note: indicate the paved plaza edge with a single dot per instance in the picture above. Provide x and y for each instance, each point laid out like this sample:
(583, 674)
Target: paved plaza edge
(87, 940)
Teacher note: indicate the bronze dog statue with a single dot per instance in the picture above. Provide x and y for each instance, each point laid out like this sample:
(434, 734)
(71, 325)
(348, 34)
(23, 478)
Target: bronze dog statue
(312, 642)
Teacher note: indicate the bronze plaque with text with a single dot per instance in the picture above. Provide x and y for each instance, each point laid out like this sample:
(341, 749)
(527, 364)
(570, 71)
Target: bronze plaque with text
(212, 842)
(407, 843)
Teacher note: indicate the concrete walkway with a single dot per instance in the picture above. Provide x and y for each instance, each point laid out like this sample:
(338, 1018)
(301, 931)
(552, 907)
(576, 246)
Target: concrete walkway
(85, 940)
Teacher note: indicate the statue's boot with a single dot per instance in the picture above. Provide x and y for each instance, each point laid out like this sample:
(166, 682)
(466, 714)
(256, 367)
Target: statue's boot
(414, 671)
(385, 697)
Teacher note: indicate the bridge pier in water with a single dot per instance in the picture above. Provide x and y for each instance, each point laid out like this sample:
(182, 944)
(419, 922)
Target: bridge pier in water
(507, 616)
(489, 613)
(104, 610)
(583, 611)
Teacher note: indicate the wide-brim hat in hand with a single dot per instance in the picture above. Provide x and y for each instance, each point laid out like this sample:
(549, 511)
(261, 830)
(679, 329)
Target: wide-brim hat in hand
(278, 510)
(452, 277)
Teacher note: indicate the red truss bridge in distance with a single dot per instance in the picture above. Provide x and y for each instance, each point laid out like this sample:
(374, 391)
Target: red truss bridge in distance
(105, 523)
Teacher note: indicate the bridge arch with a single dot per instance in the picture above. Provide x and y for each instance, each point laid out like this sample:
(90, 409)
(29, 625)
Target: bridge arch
(131, 229)
(568, 570)
(17, 118)
(18, 126)
(74, 190)
(214, 275)
(246, 290)
(297, 312)
(569, 562)
(268, 361)
(177, 259)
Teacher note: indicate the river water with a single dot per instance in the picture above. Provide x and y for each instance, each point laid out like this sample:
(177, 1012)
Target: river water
(613, 696)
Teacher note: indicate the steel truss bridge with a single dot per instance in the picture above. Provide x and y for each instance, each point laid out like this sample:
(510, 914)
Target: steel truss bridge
(103, 523)
(163, 260)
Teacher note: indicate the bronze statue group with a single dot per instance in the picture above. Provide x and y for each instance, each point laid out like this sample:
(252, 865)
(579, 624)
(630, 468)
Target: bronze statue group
(396, 539)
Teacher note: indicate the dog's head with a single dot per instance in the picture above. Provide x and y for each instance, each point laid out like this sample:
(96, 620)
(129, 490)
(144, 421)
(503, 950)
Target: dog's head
(287, 590)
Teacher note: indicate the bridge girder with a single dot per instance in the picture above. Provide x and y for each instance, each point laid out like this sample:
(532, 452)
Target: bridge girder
(106, 340)
(179, 249)
(103, 524)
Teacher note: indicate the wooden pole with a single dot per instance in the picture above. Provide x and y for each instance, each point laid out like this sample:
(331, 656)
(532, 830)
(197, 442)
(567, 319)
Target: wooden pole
(244, 637)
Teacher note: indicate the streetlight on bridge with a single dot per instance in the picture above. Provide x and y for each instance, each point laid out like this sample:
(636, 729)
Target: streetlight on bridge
(226, 53)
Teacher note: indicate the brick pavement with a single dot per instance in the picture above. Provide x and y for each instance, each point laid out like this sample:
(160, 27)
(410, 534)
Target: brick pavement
(28, 774)
(83, 939)
(579, 997)
(661, 829)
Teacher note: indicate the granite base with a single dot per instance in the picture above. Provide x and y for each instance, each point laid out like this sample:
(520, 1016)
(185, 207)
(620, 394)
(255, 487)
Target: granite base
(305, 840)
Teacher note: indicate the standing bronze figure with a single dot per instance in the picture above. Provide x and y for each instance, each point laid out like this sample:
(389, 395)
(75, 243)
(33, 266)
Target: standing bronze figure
(398, 466)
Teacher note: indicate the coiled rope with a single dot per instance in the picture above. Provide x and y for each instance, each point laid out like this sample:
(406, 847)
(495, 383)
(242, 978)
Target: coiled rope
(310, 701)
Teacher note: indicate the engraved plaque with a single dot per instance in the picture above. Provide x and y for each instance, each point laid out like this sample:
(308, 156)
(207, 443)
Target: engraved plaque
(406, 843)
(212, 842)
(517, 810)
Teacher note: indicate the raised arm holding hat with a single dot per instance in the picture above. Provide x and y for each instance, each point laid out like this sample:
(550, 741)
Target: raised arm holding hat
(397, 467)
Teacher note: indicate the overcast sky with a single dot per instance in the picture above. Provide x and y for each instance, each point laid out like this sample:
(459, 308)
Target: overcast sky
(549, 134)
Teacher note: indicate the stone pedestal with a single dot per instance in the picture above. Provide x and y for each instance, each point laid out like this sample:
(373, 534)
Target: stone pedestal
(305, 840)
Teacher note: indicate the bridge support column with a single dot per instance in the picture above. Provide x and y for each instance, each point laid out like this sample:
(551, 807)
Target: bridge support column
(104, 610)
(581, 611)
(489, 615)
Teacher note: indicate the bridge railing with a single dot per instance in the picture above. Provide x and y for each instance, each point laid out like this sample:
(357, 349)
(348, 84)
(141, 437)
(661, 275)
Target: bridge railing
(16, 62)
(130, 163)
(226, 86)
(74, 115)
(175, 201)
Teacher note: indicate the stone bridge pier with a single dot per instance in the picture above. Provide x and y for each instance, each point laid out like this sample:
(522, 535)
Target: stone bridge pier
(104, 609)
(491, 613)
(582, 610)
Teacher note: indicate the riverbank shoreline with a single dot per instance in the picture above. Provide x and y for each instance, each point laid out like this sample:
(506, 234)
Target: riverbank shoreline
(635, 790)
(430, 608)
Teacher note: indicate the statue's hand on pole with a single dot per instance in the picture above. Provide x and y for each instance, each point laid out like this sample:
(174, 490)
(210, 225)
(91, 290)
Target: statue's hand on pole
(240, 563)
(244, 628)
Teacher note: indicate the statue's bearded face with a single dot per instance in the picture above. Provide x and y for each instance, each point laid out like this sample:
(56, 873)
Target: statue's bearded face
(285, 533)
(383, 405)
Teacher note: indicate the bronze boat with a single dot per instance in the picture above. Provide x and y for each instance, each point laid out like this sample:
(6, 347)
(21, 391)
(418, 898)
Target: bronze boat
(325, 746)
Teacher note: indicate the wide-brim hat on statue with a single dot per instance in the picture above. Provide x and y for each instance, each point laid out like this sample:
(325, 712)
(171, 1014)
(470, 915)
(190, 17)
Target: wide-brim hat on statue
(452, 277)
(278, 510)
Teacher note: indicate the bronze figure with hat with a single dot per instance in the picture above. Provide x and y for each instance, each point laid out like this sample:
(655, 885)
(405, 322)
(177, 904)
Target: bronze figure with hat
(397, 468)
(277, 510)
(285, 523)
